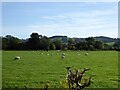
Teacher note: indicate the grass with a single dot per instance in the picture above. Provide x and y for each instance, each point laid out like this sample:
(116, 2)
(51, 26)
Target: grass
(34, 70)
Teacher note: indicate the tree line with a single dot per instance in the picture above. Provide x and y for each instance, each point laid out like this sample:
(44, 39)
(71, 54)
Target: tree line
(39, 42)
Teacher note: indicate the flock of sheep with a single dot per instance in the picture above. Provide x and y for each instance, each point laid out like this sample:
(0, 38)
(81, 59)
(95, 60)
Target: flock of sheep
(73, 78)
(63, 55)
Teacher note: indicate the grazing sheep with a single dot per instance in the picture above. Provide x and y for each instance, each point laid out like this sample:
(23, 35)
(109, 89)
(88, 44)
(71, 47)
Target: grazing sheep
(63, 56)
(17, 58)
(48, 54)
(86, 54)
(58, 51)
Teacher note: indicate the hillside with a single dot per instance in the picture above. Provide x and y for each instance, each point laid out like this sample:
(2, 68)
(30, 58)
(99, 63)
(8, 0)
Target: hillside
(64, 39)
(101, 38)
(106, 39)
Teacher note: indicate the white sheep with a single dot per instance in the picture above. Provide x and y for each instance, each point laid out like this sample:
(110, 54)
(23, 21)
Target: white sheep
(86, 54)
(17, 58)
(63, 56)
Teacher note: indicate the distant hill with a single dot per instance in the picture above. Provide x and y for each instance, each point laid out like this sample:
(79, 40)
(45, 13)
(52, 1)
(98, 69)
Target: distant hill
(64, 39)
(101, 38)
(106, 39)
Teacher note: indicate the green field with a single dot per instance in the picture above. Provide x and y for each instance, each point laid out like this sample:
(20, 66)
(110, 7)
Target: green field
(35, 69)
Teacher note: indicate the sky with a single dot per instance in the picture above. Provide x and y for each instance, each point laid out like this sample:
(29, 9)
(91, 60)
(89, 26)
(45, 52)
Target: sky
(73, 19)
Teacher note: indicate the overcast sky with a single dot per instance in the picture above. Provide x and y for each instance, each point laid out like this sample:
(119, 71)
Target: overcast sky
(78, 19)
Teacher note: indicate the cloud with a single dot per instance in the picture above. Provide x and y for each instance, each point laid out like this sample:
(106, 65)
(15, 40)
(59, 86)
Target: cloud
(54, 17)
(80, 23)
(75, 24)
(82, 16)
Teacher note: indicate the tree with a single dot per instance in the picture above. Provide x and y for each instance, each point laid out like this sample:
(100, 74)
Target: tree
(117, 45)
(4, 43)
(90, 42)
(106, 46)
(38, 42)
(71, 44)
(11, 43)
(33, 41)
(81, 46)
(58, 44)
(64, 46)
(44, 43)
(99, 45)
(52, 46)
(91, 47)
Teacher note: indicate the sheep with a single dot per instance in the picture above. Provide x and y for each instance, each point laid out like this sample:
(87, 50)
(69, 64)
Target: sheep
(86, 54)
(48, 54)
(63, 55)
(58, 51)
(17, 58)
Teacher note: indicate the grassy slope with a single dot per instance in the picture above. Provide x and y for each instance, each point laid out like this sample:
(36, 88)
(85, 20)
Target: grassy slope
(35, 69)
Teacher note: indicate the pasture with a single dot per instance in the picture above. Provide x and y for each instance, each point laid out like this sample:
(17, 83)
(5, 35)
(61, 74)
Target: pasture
(35, 69)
